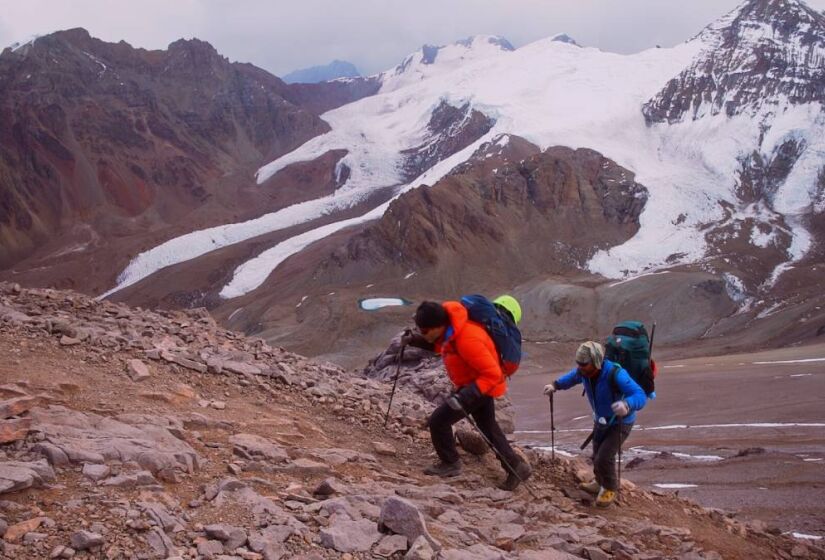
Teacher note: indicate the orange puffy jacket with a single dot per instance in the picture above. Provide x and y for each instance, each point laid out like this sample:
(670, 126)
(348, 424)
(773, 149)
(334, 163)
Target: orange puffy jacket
(469, 353)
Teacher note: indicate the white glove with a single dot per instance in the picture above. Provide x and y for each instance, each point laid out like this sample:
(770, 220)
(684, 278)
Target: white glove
(549, 389)
(620, 409)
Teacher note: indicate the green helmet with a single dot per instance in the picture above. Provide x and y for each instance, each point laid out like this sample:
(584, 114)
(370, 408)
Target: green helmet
(510, 304)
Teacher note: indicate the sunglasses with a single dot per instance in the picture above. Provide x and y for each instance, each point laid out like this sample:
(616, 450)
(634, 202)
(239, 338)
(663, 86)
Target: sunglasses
(582, 365)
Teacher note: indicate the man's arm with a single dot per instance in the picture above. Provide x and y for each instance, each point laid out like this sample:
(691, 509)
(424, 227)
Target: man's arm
(632, 393)
(568, 380)
(411, 338)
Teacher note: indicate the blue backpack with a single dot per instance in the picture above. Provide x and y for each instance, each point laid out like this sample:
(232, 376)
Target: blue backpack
(501, 328)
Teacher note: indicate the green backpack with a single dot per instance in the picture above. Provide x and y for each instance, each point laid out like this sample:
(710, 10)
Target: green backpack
(630, 346)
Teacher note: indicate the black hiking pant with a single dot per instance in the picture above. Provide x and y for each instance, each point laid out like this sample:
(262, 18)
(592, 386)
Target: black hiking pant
(483, 412)
(606, 443)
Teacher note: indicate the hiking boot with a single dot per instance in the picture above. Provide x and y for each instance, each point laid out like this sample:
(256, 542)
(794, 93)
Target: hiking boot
(444, 470)
(606, 497)
(523, 470)
(592, 487)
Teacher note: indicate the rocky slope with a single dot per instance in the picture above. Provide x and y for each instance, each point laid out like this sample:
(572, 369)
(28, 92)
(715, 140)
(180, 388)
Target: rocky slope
(138, 434)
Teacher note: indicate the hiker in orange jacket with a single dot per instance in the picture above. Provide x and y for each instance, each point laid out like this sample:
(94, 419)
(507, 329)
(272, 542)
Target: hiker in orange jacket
(472, 364)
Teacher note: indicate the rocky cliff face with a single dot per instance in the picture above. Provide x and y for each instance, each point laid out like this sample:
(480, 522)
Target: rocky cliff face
(128, 433)
(766, 52)
(557, 207)
(104, 134)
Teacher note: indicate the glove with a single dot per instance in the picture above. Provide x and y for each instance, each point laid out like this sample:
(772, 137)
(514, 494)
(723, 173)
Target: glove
(620, 409)
(550, 388)
(407, 337)
(465, 398)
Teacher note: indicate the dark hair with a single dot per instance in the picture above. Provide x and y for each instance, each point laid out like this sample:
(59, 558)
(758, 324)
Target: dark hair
(431, 314)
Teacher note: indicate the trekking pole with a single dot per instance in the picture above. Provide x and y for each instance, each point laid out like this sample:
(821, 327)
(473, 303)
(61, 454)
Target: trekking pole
(619, 491)
(496, 451)
(652, 335)
(394, 383)
(552, 430)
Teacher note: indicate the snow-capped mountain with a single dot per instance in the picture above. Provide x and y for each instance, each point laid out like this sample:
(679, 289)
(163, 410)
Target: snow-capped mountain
(767, 53)
(724, 166)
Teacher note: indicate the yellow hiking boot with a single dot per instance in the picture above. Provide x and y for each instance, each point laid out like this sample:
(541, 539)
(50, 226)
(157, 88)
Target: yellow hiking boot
(606, 497)
(592, 487)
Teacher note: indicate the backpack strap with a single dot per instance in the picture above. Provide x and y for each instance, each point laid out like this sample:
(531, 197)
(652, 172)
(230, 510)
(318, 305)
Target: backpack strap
(613, 383)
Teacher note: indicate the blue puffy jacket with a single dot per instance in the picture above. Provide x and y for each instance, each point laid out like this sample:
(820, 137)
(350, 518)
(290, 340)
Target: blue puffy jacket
(604, 396)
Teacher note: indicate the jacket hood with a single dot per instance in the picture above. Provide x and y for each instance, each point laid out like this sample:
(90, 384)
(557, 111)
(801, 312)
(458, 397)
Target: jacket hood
(458, 315)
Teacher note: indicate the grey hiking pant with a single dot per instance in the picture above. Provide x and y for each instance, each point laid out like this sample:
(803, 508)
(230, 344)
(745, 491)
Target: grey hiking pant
(606, 442)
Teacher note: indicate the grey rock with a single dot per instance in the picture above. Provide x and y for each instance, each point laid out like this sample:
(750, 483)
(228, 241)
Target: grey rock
(546, 554)
(402, 517)
(391, 544)
(305, 467)
(475, 552)
(252, 447)
(210, 549)
(269, 541)
(140, 478)
(53, 454)
(161, 517)
(90, 438)
(231, 537)
(137, 370)
(594, 553)
(161, 544)
(84, 540)
(420, 550)
(95, 472)
(345, 535)
(327, 487)
(32, 537)
(16, 476)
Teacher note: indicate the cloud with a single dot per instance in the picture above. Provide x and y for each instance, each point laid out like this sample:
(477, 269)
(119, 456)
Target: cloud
(283, 35)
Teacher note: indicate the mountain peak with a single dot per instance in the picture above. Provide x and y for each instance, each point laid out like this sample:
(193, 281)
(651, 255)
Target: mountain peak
(766, 52)
(323, 73)
(564, 38)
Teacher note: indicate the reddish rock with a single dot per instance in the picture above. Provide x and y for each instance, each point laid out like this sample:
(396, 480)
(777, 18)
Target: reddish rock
(13, 430)
(16, 407)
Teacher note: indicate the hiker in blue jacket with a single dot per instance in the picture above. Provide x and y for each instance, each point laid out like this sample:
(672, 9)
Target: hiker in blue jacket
(614, 398)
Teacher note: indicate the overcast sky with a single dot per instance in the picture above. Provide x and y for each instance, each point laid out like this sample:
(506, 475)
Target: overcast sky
(281, 35)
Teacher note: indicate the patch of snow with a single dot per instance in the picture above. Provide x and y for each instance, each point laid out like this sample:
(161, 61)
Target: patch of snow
(373, 304)
(238, 310)
(410, 275)
(734, 288)
(549, 449)
(630, 279)
(17, 45)
(768, 311)
(674, 485)
(801, 375)
(806, 537)
(802, 361)
(701, 458)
